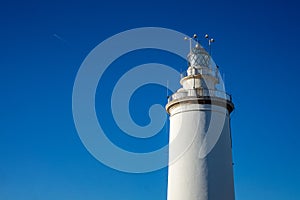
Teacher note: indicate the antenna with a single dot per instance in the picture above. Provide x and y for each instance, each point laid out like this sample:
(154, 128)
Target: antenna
(167, 89)
(195, 37)
(190, 39)
(210, 40)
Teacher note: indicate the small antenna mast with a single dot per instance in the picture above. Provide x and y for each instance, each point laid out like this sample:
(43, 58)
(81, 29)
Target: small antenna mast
(210, 40)
(190, 39)
(167, 89)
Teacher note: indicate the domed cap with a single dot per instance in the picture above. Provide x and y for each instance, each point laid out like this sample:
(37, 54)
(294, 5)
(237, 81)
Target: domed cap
(198, 57)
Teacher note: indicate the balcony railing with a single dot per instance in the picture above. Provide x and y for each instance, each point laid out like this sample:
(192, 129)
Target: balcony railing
(200, 92)
(201, 70)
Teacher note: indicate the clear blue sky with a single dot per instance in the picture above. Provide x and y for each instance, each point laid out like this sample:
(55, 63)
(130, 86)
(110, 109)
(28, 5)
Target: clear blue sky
(43, 44)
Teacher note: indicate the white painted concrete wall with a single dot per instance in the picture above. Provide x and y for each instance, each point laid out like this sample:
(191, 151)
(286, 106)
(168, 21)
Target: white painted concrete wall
(190, 176)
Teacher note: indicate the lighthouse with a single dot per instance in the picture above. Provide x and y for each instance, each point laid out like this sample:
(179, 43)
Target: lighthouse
(200, 155)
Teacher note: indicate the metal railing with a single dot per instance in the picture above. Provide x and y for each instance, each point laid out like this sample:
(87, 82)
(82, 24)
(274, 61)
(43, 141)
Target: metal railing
(201, 70)
(200, 92)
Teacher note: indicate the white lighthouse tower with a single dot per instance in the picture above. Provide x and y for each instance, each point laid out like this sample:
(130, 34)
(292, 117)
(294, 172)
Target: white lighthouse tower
(200, 160)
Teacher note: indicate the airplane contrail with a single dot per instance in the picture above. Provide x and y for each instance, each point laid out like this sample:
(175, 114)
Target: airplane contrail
(58, 37)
